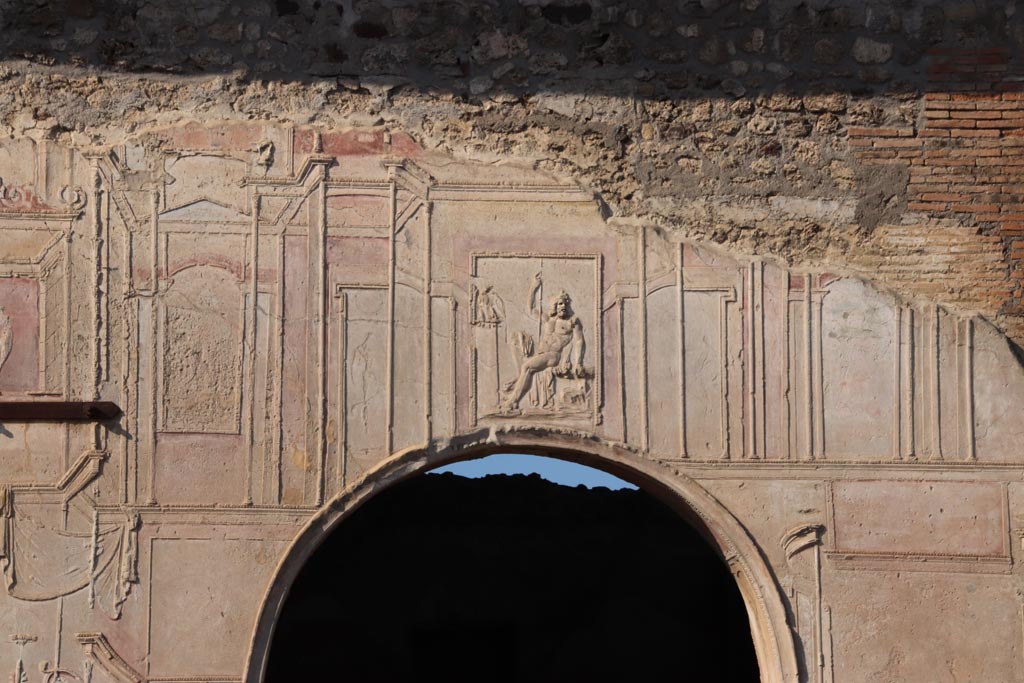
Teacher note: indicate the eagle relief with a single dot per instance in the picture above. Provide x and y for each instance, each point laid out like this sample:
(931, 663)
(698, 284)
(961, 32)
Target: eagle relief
(548, 377)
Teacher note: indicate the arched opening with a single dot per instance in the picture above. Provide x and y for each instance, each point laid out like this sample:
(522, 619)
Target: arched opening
(513, 578)
(769, 627)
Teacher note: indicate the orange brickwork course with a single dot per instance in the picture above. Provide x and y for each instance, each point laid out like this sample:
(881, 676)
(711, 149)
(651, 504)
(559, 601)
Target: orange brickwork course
(965, 195)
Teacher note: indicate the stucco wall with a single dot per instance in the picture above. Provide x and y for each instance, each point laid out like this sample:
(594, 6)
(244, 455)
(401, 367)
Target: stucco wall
(870, 137)
(309, 252)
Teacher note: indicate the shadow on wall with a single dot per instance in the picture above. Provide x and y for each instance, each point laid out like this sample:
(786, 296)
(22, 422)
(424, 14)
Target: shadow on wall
(1017, 351)
(477, 48)
(511, 578)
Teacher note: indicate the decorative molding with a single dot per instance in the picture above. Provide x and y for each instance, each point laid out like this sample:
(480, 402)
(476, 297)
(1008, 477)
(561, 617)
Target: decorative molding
(908, 401)
(410, 176)
(645, 409)
(753, 324)
(966, 443)
(933, 378)
(81, 474)
(428, 324)
(794, 542)
(681, 352)
(800, 538)
(920, 562)
(318, 271)
(22, 202)
(809, 299)
(389, 381)
(808, 379)
(100, 652)
(311, 162)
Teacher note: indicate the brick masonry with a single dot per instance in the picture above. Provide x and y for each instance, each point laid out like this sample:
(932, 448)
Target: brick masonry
(964, 225)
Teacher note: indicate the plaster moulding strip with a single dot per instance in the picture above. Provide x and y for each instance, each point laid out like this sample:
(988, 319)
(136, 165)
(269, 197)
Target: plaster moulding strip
(99, 341)
(749, 371)
(407, 212)
(79, 475)
(299, 178)
(786, 416)
(274, 457)
(897, 386)
(818, 359)
(753, 324)
(99, 651)
(453, 309)
(909, 397)
(250, 347)
(342, 297)
(906, 470)
(319, 251)
(409, 176)
(389, 388)
(681, 305)
(645, 414)
(965, 388)
(623, 408)
(156, 358)
(920, 562)
(474, 408)
(366, 188)
(428, 317)
(195, 517)
(808, 348)
(40, 215)
(723, 345)
(934, 388)
(497, 193)
(761, 435)
(599, 332)
(808, 373)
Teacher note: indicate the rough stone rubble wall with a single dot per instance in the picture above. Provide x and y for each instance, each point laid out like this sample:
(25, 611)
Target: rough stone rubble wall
(861, 137)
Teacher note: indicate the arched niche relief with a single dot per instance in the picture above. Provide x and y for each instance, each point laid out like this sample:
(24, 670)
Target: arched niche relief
(770, 630)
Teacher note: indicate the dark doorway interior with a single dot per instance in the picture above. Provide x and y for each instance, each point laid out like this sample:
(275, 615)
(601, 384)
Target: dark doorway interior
(513, 578)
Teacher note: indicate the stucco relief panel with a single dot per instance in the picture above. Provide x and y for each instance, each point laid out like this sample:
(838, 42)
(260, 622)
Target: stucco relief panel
(537, 343)
(202, 333)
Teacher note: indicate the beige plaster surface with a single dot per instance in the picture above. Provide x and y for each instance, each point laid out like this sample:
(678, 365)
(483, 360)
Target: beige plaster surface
(292, 321)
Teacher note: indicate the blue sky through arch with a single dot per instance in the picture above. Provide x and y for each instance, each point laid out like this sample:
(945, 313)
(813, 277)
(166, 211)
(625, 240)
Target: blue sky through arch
(552, 469)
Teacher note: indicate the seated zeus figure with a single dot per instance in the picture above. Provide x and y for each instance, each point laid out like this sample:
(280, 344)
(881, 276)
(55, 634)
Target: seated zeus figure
(558, 353)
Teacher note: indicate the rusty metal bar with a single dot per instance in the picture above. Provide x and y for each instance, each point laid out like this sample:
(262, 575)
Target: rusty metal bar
(58, 411)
